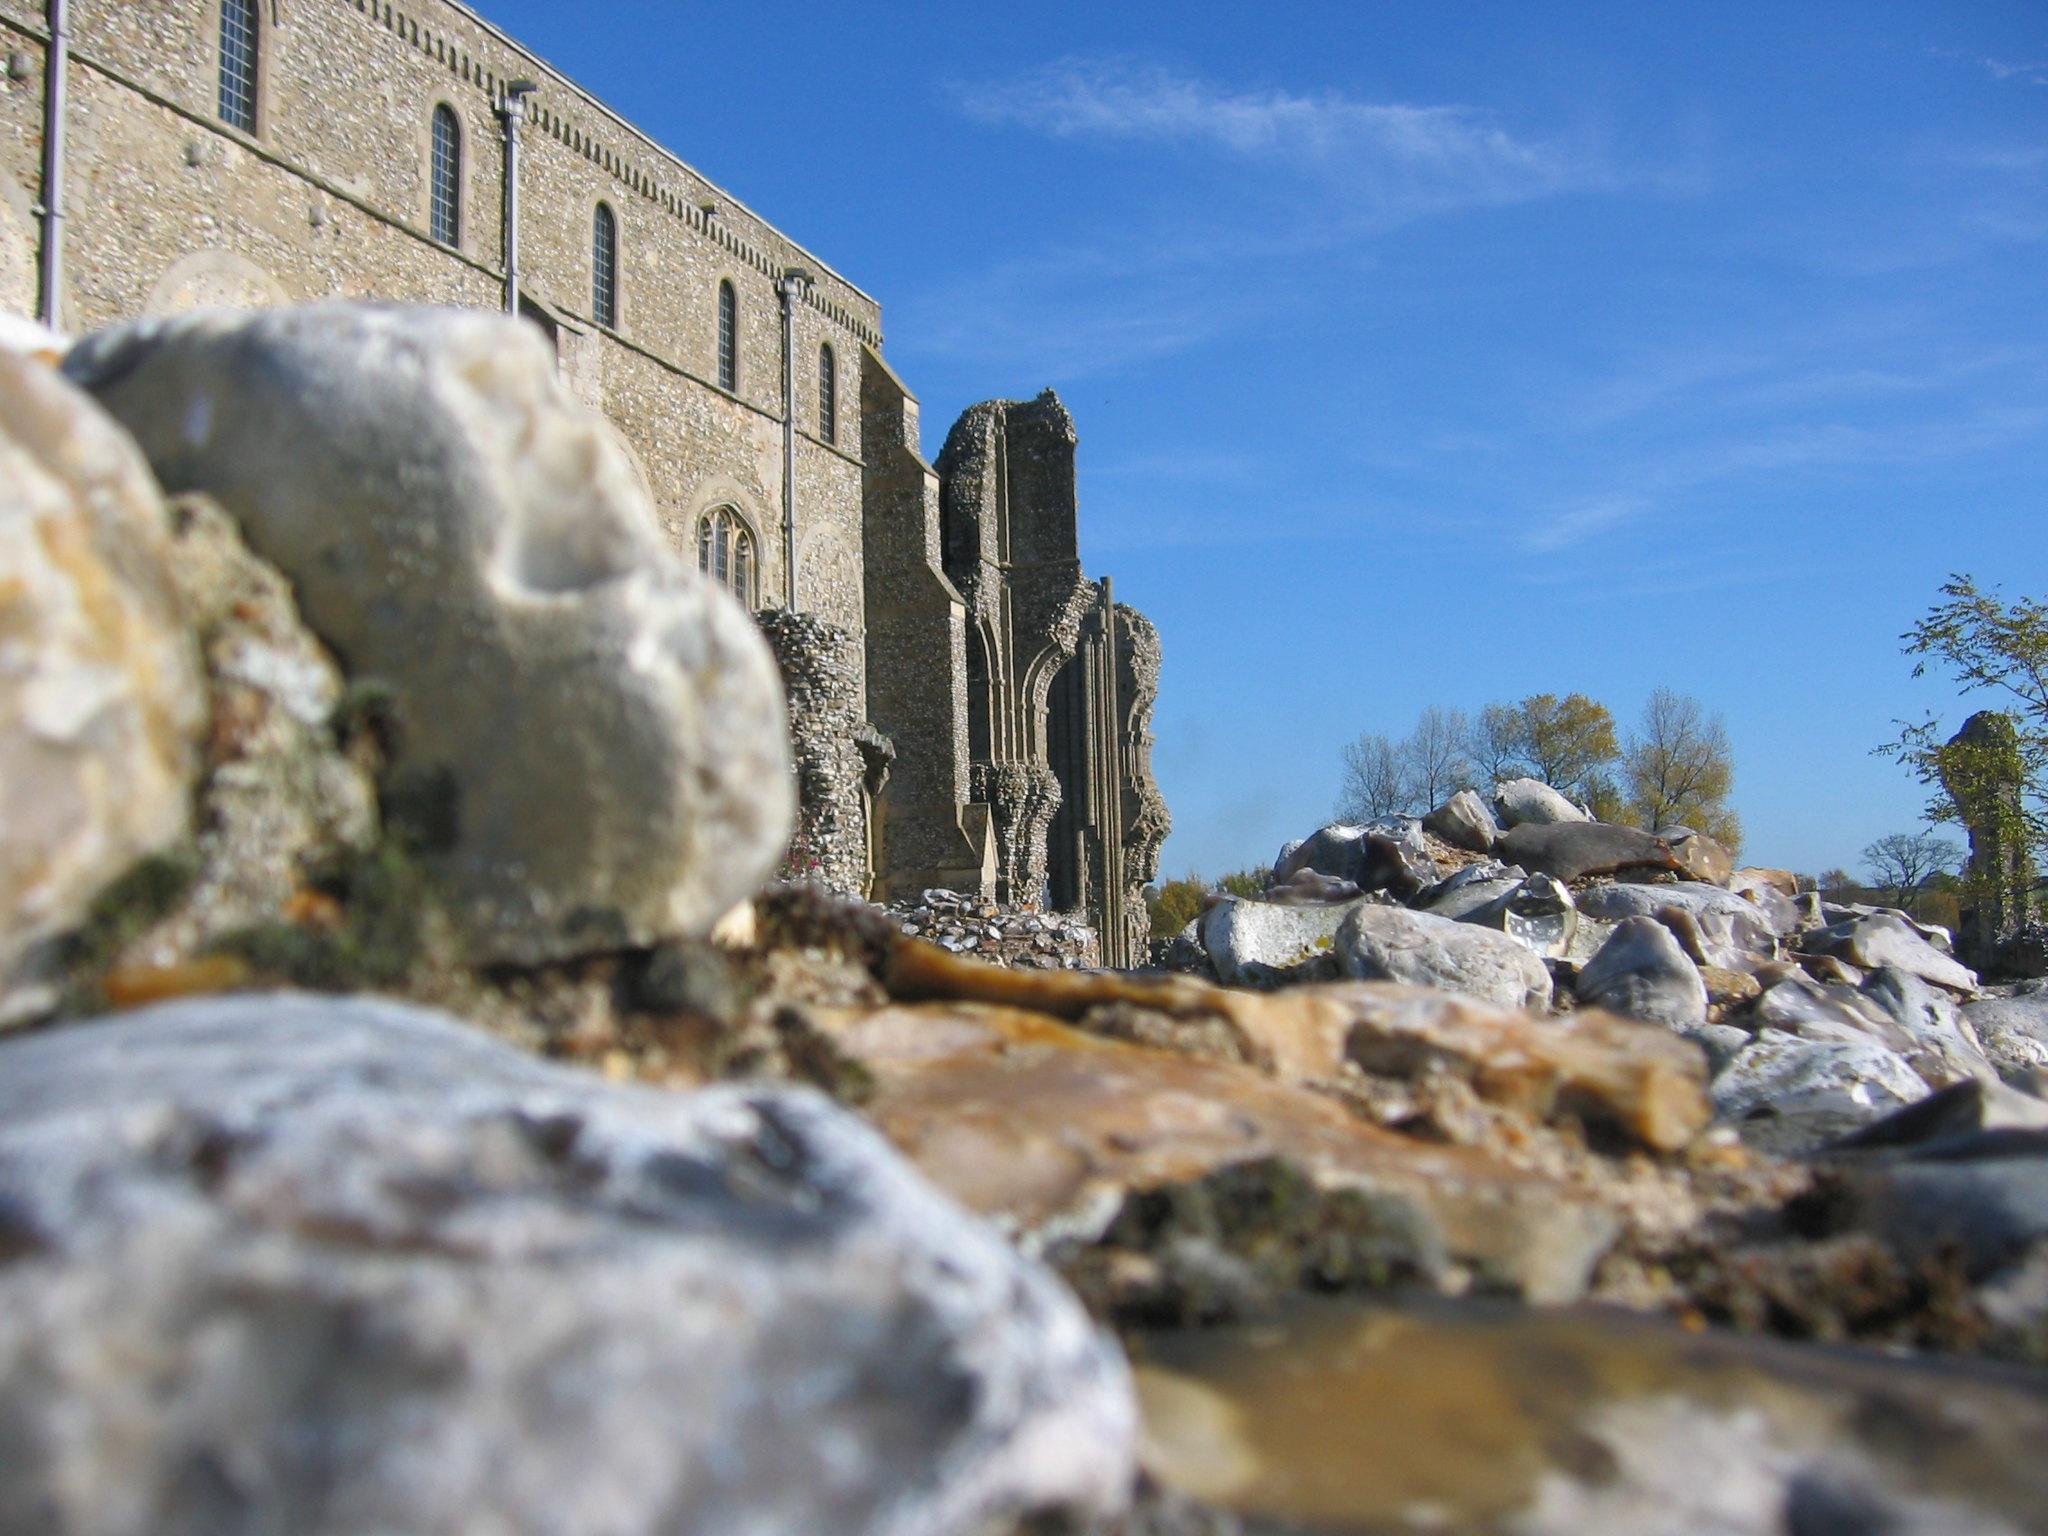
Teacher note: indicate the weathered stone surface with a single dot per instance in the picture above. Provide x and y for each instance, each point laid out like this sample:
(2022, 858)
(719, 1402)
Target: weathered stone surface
(1641, 973)
(1539, 912)
(590, 739)
(1337, 850)
(2012, 1030)
(1928, 1014)
(1463, 821)
(1574, 849)
(1531, 802)
(1263, 943)
(1307, 888)
(1388, 855)
(1788, 1095)
(1732, 926)
(278, 801)
(1051, 1131)
(1699, 856)
(278, 1263)
(1644, 1082)
(1470, 888)
(1934, 1123)
(1421, 949)
(1341, 1417)
(1752, 877)
(101, 702)
(1884, 938)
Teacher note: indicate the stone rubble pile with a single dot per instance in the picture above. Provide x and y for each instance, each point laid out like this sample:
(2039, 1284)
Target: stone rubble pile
(390, 752)
(999, 932)
(1817, 1017)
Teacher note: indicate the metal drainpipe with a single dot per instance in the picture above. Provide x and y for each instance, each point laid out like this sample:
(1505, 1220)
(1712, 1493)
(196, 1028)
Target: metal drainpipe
(513, 110)
(790, 286)
(56, 68)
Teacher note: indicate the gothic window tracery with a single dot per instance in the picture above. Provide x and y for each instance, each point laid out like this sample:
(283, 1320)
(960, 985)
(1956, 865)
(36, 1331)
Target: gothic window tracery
(445, 182)
(238, 37)
(604, 268)
(728, 338)
(828, 395)
(725, 552)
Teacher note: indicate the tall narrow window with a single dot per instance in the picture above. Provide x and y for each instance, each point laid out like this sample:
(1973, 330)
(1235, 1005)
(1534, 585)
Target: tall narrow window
(728, 338)
(828, 395)
(604, 269)
(725, 553)
(445, 184)
(238, 24)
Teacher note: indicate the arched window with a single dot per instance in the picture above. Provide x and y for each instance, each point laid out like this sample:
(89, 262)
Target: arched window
(728, 338)
(828, 395)
(725, 552)
(444, 182)
(604, 269)
(238, 24)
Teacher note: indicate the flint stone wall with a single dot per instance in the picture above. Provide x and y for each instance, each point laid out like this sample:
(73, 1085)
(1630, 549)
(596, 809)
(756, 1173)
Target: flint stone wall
(840, 760)
(171, 209)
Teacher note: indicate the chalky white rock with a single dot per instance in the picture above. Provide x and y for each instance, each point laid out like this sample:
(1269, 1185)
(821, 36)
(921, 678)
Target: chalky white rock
(591, 746)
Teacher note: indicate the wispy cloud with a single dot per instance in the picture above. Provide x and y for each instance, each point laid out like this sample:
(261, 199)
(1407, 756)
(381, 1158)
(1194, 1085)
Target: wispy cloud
(2020, 71)
(1550, 532)
(1404, 154)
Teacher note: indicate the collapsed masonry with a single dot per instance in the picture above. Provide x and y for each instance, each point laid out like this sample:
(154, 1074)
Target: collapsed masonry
(1016, 692)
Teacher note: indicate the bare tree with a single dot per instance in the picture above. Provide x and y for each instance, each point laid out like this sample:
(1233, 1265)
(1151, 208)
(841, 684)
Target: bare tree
(1902, 861)
(1435, 757)
(1494, 746)
(1680, 768)
(1375, 780)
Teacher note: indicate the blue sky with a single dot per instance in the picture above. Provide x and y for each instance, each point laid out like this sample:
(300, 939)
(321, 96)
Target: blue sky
(1442, 354)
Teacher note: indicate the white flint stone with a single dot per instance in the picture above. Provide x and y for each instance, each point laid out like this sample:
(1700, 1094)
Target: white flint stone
(1527, 802)
(1787, 1095)
(591, 741)
(342, 1268)
(101, 695)
(1424, 950)
(1641, 973)
(1261, 943)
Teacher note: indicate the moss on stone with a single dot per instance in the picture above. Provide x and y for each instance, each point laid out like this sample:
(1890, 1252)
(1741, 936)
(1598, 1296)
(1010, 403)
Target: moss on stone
(384, 900)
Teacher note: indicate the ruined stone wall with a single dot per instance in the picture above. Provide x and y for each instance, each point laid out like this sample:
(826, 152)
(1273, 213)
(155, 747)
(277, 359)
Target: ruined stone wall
(840, 761)
(1145, 818)
(930, 834)
(1010, 544)
(172, 209)
(1061, 677)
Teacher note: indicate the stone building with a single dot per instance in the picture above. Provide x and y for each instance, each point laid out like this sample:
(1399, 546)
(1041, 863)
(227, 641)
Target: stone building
(982, 708)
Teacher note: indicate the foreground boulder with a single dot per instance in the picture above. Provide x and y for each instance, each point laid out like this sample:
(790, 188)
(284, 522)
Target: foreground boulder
(1421, 949)
(100, 690)
(280, 1263)
(587, 738)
